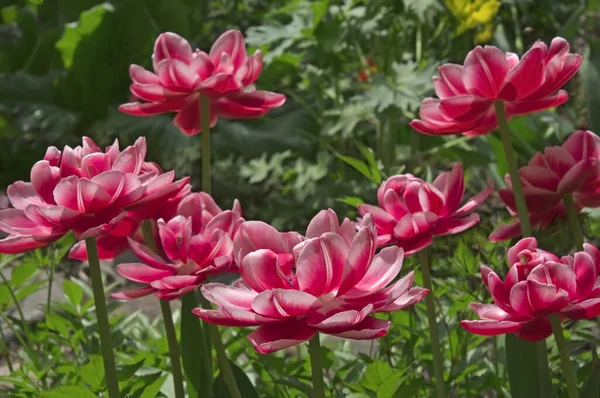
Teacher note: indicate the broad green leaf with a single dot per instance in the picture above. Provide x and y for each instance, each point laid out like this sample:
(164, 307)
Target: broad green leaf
(5, 298)
(246, 387)
(56, 323)
(370, 156)
(193, 350)
(152, 389)
(21, 273)
(591, 81)
(92, 372)
(359, 165)
(498, 150)
(76, 31)
(125, 372)
(9, 14)
(351, 200)
(30, 289)
(73, 292)
(526, 378)
(591, 387)
(68, 392)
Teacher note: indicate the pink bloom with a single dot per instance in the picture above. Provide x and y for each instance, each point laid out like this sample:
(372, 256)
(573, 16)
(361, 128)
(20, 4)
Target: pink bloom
(197, 242)
(84, 190)
(332, 283)
(225, 75)
(569, 287)
(467, 93)
(570, 169)
(411, 212)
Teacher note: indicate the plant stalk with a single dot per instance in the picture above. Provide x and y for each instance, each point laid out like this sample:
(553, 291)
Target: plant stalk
(224, 365)
(438, 367)
(573, 220)
(110, 370)
(316, 366)
(165, 309)
(513, 169)
(565, 361)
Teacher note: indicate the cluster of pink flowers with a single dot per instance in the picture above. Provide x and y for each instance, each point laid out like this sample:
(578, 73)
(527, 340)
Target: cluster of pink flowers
(332, 279)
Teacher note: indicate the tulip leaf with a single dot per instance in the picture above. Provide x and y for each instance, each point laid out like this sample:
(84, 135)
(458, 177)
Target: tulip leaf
(591, 387)
(68, 391)
(246, 387)
(524, 375)
(192, 347)
(75, 32)
(591, 81)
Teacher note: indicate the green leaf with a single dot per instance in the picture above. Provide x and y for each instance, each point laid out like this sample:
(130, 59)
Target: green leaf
(92, 372)
(73, 292)
(193, 349)
(151, 390)
(370, 156)
(591, 81)
(246, 387)
(498, 150)
(125, 372)
(319, 9)
(591, 387)
(74, 32)
(68, 392)
(58, 324)
(359, 165)
(523, 368)
(22, 273)
(351, 200)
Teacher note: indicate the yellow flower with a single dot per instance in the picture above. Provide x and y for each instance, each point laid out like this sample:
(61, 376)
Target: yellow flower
(474, 13)
(485, 34)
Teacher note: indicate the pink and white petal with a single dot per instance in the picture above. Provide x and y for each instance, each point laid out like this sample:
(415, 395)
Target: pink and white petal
(519, 298)
(171, 46)
(261, 271)
(173, 282)
(382, 219)
(177, 76)
(217, 86)
(109, 247)
(133, 293)
(491, 328)
(140, 75)
(44, 179)
(450, 82)
(255, 235)
(188, 116)
(202, 65)
(337, 321)
(91, 197)
(452, 226)
(14, 244)
(228, 296)
(489, 311)
(452, 186)
(582, 145)
(382, 270)
(413, 296)
(284, 303)
(505, 232)
(148, 256)
(535, 330)
(248, 105)
(142, 273)
(526, 77)
(154, 92)
(324, 221)
(320, 264)
(539, 297)
(393, 205)
(232, 44)
(231, 316)
(563, 277)
(594, 253)
(414, 224)
(21, 194)
(484, 71)
(150, 108)
(370, 328)
(525, 106)
(587, 309)
(474, 202)
(358, 259)
(277, 336)
(579, 176)
(15, 221)
(586, 273)
(559, 160)
(415, 244)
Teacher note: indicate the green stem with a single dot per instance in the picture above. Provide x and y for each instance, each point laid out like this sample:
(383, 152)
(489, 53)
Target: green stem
(5, 352)
(110, 370)
(573, 220)
(316, 366)
(24, 323)
(206, 150)
(50, 282)
(438, 367)
(565, 361)
(513, 169)
(165, 309)
(224, 365)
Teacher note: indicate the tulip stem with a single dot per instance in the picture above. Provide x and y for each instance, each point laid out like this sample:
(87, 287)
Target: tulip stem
(206, 150)
(438, 367)
(224, 365)
(316, 366)
(165, 309)
(110, 370)
(515, 346)
(573, 220)
(513, 170)
(565, 361)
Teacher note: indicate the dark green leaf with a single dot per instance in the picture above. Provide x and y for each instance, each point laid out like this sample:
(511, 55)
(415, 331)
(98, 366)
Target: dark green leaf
(68, 392)
(246, 387)
(192, 349)
(591, 387)
(92, 372)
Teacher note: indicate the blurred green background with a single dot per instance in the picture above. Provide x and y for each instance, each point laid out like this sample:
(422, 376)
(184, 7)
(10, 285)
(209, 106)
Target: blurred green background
(354, 73)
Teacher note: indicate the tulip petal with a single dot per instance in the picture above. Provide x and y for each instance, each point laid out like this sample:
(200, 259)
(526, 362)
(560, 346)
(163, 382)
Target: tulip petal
(522, 107)
(142, 273)
(484, 71)
(324, 221)
(491, 328)
(587, 309)
(133, 293)
(283, 303)
(171, 46)
(277, 336)
(489, 311)
(526, 77)
(414, 224)
(358, 260)
(151, 108)
(22, 194)
(248, 105)
(231, 316)
(14, 244)
(474, 202)
(369, 328)
(148, 256)
(451, 226)
(232, 44)
(383, 269)
(261, 271)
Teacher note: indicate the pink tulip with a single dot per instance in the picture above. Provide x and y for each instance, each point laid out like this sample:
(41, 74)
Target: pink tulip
(225, 75)
(467, 93)
(538, 285)
(411, 212)
(570, 169)
(84, 190)
(195, 243)
(330, 282)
